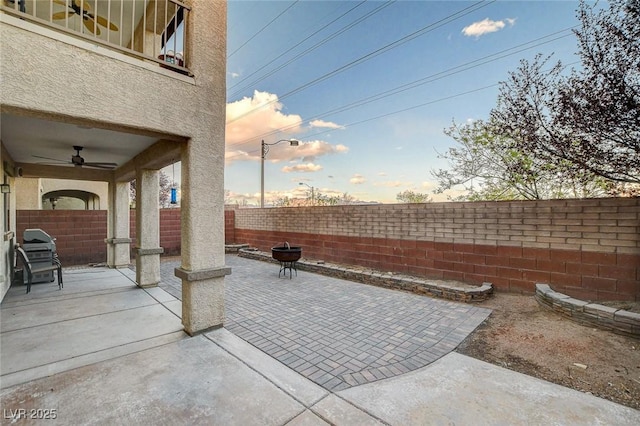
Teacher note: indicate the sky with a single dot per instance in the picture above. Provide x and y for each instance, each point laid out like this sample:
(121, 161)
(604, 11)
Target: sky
(368, 87)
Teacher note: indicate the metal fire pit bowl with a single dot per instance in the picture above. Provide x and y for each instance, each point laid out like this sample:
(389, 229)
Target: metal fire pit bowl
(287, 256)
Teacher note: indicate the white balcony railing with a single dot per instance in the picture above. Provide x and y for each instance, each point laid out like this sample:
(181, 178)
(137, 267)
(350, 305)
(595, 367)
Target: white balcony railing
(148, 29)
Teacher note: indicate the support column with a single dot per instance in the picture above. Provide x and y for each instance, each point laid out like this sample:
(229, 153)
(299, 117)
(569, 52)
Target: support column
(148, 248)
(202, 204)
(118, 239)
(203, 265)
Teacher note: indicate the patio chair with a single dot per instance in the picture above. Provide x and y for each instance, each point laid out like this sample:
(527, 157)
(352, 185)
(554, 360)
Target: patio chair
(56, 265)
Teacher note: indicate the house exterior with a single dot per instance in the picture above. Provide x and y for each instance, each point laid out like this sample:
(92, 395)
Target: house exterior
(60, 194)
(138, 85)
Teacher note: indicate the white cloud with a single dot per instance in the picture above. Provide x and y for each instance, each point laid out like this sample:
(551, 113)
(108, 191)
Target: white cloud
(303, 168)
(393, 184)
(258, 115)
(357, 179)
(486, 26)
(309, 151)
(237, 155)
(261, 114)
(325, 124)
(428, 185)
(234, 74)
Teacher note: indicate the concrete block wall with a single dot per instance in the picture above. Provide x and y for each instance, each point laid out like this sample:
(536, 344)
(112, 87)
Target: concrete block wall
(169, 231)
(79, 234)
(589, 249)
(230, 224)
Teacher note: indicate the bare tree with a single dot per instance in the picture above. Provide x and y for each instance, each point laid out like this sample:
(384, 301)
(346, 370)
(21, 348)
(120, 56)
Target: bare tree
(164, 192)
(492, 167)
(590, 120)
(409, 196)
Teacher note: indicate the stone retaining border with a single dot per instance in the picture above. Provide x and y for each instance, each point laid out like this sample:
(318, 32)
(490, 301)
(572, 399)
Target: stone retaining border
(234, 248)
(450, 290)
(592, 314)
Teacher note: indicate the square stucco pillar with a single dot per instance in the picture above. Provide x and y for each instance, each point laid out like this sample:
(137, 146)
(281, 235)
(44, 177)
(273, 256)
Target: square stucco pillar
(118, 239)
(202, 205)
(148, 248)
(203, 268)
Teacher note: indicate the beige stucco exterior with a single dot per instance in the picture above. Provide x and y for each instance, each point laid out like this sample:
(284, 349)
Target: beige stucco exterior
(32, 193)
(8, 220)
(28, 193)
(118, 92)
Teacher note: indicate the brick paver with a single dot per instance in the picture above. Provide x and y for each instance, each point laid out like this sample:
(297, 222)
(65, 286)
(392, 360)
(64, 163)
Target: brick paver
(336, 333)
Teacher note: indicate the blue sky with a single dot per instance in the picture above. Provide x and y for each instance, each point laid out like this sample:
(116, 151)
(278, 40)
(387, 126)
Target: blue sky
(443, 58)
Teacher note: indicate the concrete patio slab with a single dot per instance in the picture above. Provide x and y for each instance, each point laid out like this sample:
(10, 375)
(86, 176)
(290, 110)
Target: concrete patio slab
(98, 315)
(76, 283)
(71, 338)
(303, 390)
(307, 418)
(46, 370)
(340, 412)
(189, 382)
(458, 389)
(48, 311)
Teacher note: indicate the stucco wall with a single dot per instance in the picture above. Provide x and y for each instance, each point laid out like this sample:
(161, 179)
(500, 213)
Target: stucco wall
(589, 249)
(7, 225)
(101, 189)
(104, 81)
(28, 193)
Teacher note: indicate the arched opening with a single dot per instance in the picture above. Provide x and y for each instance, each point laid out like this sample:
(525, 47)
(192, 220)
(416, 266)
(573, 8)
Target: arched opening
(70, 199)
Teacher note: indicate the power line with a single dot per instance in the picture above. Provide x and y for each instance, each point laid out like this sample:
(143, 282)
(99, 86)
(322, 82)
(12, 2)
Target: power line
(315, 46)
(379, 51)
(425, 80)
(263, 28)
(446, 98)
(291, 48)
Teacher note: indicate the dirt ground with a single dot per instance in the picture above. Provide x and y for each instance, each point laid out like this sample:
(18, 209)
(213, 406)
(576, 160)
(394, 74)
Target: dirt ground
(522, 336)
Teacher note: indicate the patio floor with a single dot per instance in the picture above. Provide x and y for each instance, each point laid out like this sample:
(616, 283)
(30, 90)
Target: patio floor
(103, 351)
(100, 314)
(334, 332)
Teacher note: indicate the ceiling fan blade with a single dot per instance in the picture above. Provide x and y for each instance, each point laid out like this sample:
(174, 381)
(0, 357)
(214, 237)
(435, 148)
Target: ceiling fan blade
(44, 163)
(60, 2)
(51, 159)
(108, 166)
(62, 15)
(85, 5)
(90, 24)
(102, 21)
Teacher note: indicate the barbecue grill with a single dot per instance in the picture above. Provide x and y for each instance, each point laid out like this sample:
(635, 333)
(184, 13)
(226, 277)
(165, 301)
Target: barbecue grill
(41, 249)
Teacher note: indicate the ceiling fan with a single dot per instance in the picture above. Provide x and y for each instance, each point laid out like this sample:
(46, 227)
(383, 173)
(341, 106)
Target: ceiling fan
(78, 161)
(83, 8)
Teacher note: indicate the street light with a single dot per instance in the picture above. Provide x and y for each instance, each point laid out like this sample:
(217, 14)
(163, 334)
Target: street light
(265, 150)
(313, 198)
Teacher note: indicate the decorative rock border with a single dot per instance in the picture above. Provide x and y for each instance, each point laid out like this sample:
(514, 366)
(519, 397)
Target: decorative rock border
(234, 248)
(450, 290)
(593, 314)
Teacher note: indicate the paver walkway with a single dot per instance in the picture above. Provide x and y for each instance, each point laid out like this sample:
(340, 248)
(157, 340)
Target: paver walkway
(337, 333)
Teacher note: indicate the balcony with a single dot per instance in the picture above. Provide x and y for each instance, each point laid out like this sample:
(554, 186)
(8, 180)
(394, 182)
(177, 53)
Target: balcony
(151, 30)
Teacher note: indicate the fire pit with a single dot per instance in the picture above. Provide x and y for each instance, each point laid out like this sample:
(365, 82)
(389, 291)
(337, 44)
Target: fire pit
(287, 256)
